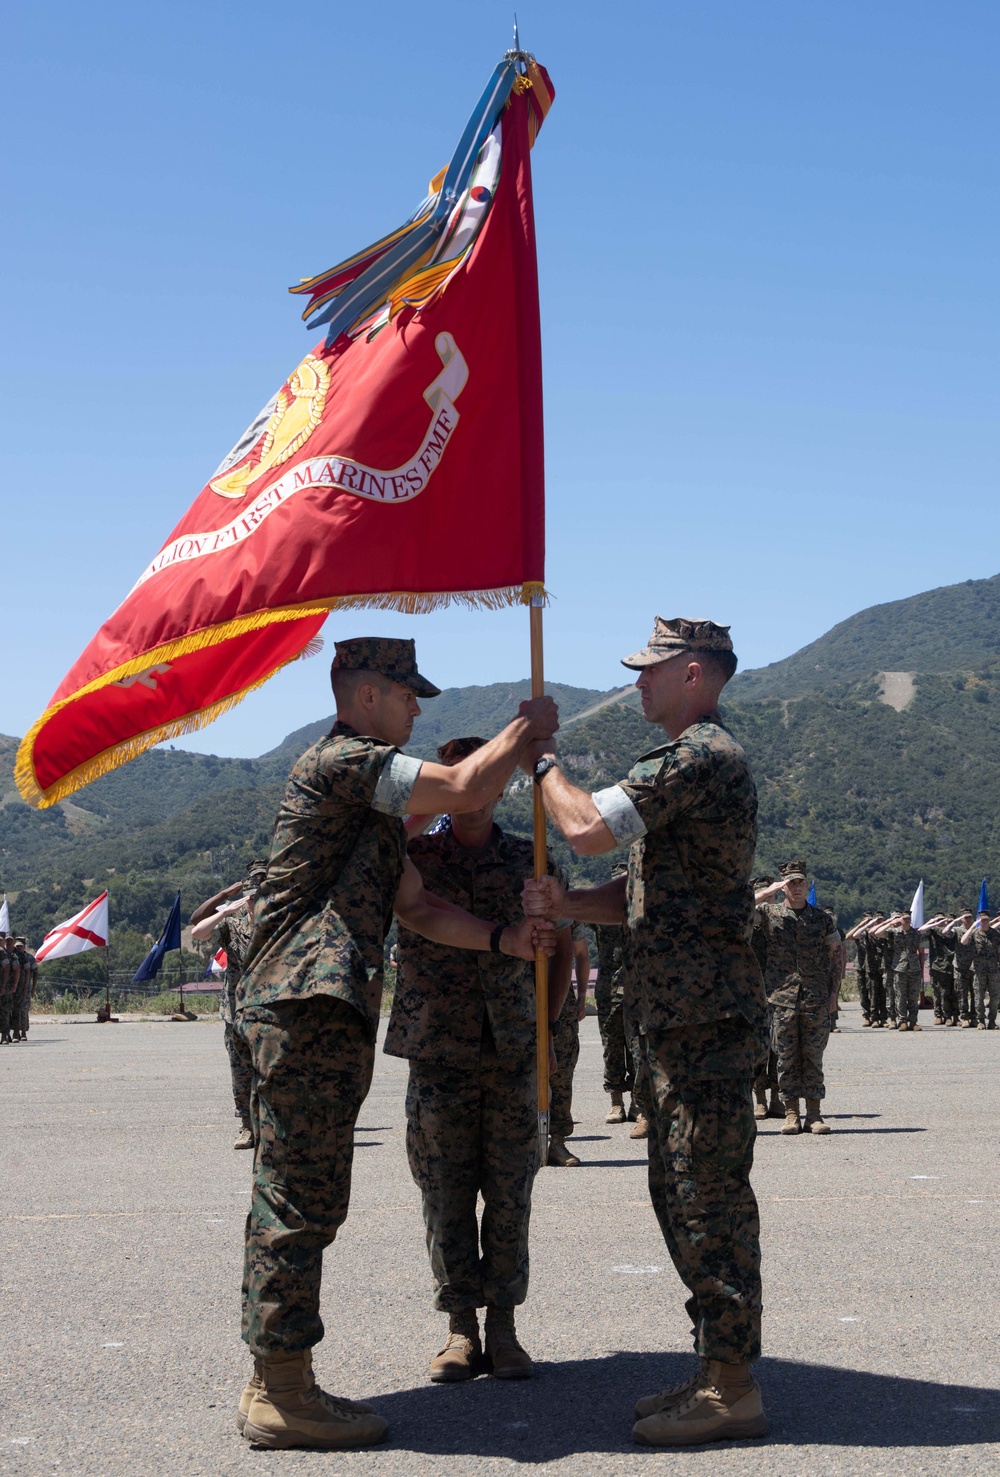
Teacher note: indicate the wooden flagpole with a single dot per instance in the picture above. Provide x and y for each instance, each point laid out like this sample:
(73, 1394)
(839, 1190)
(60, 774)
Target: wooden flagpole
(541, 866)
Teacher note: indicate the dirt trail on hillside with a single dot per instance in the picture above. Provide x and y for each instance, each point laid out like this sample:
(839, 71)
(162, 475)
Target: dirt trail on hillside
(898, 690)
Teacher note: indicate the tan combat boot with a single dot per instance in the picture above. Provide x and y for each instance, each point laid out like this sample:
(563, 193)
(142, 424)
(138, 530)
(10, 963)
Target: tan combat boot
(641, 1129)
(724, 1404)
(617, 1113)
(254, 1384)
(507, 1359)
(559, 1156)
(651, 1404)
(760, 1106)
(462, 1355)
(814, 1120)
(244, 1139)
(791, 1123)
(290, 1410)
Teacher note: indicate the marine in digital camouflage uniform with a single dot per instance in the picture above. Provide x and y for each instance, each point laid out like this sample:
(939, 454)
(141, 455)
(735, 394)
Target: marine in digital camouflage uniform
(688, 812)
(964, 982)
(941, 949)
(466, 1024)
(801, 940)
(609, 997)
(232, 923)
(985, 972)
(905, 968)
(312, 988)
(876, 970)
(768, 1078)
(861, 975)
(566, 1035)
(26, 987)
(10, 973)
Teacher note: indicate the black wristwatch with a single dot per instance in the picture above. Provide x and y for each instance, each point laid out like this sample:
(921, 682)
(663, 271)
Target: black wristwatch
(542, 767)
(553, 1027)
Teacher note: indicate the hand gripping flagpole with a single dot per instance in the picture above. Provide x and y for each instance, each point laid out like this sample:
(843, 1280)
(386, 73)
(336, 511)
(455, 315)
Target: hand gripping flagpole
(541, 867)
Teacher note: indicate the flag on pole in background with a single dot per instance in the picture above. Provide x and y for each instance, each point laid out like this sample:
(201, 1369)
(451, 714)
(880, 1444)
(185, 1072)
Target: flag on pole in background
(169, 939)
(87, 929)
(812, 895)
(917, 907)
(398, 466)
(984, 899)
(4, 916)
(218, 964)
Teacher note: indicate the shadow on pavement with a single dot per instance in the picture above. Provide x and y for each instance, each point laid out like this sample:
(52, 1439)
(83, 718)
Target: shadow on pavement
(586, 1405)
(613, 1163)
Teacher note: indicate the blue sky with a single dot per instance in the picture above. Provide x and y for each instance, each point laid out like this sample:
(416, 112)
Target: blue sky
(767, 239)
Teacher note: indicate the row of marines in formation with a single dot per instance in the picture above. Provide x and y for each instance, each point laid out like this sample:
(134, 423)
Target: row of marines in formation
(964, 968)
(18, 978)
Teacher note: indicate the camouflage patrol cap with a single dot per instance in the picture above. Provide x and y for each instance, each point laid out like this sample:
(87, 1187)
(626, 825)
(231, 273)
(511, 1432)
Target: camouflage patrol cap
(671, 637)
(389, 656)
(257, 868)
(794, 871)
(20, 939)
(756, 882)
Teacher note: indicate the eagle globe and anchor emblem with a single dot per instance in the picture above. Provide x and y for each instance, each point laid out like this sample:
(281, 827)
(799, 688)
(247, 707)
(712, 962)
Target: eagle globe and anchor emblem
(285, 424)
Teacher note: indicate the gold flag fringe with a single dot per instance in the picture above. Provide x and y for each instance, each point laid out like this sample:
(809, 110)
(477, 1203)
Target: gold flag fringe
(408, 602)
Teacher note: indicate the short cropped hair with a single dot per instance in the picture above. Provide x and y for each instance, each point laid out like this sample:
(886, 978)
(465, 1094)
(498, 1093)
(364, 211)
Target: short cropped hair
(345, 682)
(457, 749)
(718, 664)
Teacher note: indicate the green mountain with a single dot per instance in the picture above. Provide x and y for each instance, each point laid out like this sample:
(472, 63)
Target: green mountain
(876, 780)
(955, 626)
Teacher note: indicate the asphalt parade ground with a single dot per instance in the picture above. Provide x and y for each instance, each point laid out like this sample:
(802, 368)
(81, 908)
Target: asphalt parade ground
(123, 1207)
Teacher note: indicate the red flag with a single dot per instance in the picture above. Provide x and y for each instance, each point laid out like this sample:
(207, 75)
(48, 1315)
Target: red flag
(399, 468)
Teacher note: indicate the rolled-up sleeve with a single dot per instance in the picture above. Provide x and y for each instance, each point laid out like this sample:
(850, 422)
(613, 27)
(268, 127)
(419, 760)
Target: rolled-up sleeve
(619, 815)
(395, 785)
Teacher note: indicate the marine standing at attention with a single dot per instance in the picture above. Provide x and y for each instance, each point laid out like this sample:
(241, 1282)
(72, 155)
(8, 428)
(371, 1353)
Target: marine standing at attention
(466, 1023)
(313, 986)
(688, 810)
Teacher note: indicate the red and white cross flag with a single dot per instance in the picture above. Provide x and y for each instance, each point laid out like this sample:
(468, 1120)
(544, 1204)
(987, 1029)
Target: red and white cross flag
(87, 929)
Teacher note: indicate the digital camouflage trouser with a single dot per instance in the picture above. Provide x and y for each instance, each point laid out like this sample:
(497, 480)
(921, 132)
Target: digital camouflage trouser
(987, 978)
(876, 989)
(241, 1072)
(799, 1034)
(701, 1137)
(313, 1065)
(567, 1045)
(19, 1009)
(907, 984)
(767, 1079)
(966, 992)
(945, 995)
(472, 1131)
(864, 993)
(6, 1011)
(619, 1068)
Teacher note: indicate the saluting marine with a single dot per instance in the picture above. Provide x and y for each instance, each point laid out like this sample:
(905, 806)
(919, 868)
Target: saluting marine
(229, 915)
(802, 943)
